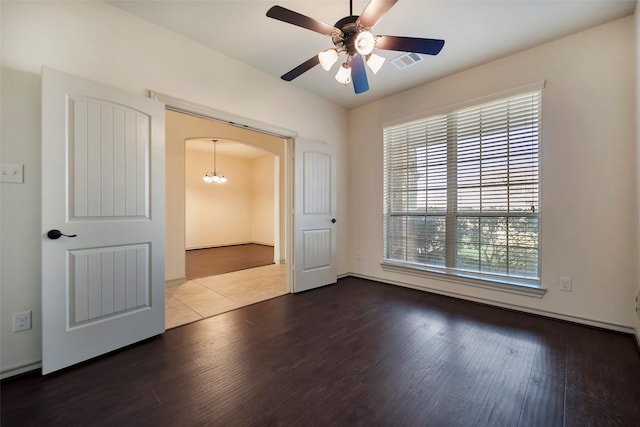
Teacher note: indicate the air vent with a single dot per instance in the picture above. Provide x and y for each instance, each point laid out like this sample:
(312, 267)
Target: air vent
(406, 60)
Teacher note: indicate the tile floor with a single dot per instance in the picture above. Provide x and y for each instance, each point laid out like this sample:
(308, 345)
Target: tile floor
(207, 296)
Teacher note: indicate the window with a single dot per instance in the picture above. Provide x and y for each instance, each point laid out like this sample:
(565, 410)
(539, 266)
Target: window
(462, 192)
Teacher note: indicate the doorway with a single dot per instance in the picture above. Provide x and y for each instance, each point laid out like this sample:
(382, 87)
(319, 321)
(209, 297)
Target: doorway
(220, 215)
(230, 221)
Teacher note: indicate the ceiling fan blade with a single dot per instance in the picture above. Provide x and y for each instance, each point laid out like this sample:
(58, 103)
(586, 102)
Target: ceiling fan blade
(374, 11)
(295, 18)
(410, 44)
(302, 68)
(359, 75)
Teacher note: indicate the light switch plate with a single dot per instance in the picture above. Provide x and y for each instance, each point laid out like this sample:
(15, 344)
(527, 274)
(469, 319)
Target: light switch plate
(10, 172)
(566, 284)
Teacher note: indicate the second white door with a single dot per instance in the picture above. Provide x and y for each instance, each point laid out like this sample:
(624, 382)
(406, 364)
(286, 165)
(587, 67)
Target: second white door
(315, 215)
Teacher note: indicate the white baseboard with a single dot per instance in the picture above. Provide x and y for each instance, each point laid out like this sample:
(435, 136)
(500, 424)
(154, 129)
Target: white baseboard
(561, 316)
(263, 243)
(179, 281)
(228, 244)
(20, 369)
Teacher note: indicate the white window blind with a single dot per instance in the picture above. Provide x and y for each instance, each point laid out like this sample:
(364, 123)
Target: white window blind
(462, 191)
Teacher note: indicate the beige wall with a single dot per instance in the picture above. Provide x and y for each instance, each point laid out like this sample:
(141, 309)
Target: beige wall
(96, 41)
(588, 172)
(20, 217)
(262, 199)
(230, 213)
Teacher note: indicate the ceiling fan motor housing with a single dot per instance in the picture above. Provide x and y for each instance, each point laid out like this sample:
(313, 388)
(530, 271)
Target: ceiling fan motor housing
(350, 31)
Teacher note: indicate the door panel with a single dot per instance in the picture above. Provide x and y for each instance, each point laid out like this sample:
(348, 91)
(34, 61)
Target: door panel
(110, 155)
(103, 182)
(315, 234)
(107, 281)
(316, 248)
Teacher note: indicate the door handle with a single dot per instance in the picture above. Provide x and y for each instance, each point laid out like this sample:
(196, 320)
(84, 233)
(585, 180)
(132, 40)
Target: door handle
(333, 220)
(56, 234)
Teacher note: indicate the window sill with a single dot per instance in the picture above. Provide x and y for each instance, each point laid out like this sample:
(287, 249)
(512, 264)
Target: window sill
(460, 279)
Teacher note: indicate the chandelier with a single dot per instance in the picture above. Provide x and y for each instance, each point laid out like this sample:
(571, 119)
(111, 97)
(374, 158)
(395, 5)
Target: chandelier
(214, 176)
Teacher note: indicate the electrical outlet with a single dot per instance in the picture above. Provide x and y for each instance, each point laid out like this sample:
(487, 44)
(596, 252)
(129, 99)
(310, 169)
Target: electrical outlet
(22, 321)
(566, 284)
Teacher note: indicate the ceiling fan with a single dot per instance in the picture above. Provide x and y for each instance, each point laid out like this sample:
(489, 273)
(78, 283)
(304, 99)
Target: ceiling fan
(351, 35)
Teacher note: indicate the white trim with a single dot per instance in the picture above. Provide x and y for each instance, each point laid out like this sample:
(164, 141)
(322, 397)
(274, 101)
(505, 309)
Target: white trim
(183, 106)
(20, 369)
(530, 291)
(195, 248)
(554, 315)
(178, 281)
(539, 85)
(263, 244)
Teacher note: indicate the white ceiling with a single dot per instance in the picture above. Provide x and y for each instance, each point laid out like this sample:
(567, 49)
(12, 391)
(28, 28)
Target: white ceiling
(475, 32)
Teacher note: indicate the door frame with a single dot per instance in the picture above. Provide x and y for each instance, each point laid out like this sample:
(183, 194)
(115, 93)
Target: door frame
(183, 106)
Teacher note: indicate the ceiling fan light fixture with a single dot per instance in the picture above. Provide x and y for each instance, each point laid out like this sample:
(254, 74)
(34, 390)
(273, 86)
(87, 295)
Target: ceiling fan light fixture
(365, 42)
(327, 58)
(374, 62)
(343, 75)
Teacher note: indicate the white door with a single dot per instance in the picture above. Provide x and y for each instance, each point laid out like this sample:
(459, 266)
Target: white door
(315, 216)
(103, 186)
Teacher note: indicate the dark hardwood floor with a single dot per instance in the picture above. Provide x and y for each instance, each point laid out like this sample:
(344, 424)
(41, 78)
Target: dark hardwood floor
(355, 353)
(225, 259)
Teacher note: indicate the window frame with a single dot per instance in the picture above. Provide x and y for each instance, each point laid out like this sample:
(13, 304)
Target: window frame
(506, 282)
